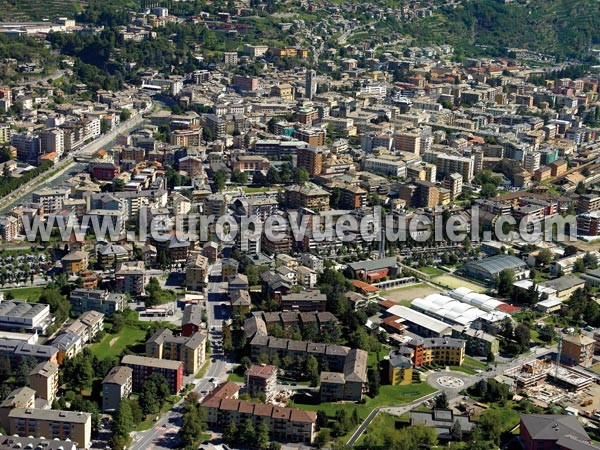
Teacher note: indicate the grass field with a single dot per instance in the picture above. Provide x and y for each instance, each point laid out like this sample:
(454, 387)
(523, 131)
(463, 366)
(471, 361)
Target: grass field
(235, 378)
(474, 363)
(114, 344)
(31, 294)
(433, 271)
(388, 395)
(452, 282)
(404, 295)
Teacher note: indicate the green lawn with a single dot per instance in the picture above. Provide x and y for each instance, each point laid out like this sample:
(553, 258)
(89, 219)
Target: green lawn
(474, 363)
(235, 378)
(114, 344)
(254, 190)
(388, 396)
(466, 370)
(203, 369)
(433, 271)
(31, 294)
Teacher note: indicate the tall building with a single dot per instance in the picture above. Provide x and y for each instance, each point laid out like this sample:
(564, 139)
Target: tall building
(408, 141)
(311, 84)
(52, 140)
(190, 350)
(144, 367)
(51, 424)
(453, 182)
(447, 164)
(311, 160)
(116, 386)
(577, 350)
(43, 379)
(28, 147)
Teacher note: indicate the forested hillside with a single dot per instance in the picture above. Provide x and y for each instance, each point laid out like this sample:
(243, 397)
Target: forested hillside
(563, 27)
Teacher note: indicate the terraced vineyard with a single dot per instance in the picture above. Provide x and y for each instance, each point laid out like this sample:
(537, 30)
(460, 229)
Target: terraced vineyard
(562, 27)
(27, 10)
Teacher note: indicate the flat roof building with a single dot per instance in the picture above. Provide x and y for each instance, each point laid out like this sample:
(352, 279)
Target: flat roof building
(49, 423)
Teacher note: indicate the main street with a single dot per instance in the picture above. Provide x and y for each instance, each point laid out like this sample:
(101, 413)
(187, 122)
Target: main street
(163, 434)
(64, 164)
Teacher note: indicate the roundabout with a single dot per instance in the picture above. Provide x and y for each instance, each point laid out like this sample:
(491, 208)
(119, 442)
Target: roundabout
(451, 382)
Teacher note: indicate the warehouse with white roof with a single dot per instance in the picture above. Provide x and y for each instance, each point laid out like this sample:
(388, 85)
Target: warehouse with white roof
(454, 311)
(476, 299)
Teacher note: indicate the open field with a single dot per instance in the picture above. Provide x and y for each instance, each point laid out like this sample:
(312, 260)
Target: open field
(452, 282)
(433, 271)
(404, 295)
(388, 395)
(114, 344)
(31, 294)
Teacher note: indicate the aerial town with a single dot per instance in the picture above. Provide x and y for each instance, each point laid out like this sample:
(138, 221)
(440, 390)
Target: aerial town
(303, 224)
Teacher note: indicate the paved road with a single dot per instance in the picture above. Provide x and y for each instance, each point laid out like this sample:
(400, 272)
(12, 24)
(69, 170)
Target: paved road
(63, 165)
(164, 434)
(452, 393)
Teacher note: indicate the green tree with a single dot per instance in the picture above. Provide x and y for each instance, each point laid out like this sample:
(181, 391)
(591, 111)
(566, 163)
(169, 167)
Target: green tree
(488, 190)
(504, 283)
(441, 401)
(125, 115)
(374, 382)
(544, 257)
(262, 435)
(312, 370)
(193, 421)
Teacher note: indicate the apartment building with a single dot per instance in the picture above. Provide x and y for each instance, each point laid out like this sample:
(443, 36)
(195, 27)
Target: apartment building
(87, 326)
(196, 271)
(23, 397)
(447, 164)
(304, 301)
(83, 300)
(387, 165)
(310, 159)
(441, 351)
(52, 424)
(187, 137)
(261, 380)
(400, 369)
(311, 135)
(143, 367)
(307, 196)
(284, 423)
(130, 277)
(117, 385)
(408, 141)
(43, 379)
(577, 349)
(189, 350)
(251, 164)
(191, 322)
(75, 262)
(350, 384)
(53, 200)
(28, 147)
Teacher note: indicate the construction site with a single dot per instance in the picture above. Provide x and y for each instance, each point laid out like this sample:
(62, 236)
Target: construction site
(546, 382)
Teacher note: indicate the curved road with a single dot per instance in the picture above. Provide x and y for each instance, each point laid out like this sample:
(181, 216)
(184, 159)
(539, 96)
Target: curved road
(64, 164)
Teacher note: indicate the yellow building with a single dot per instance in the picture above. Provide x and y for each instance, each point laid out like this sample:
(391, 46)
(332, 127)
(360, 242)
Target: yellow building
(577, 350)
(75, 262)
(444, 351)
(190, 350)
(400, 369)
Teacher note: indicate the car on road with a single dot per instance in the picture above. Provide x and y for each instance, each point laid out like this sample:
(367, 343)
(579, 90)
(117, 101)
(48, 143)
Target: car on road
(212, 380)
